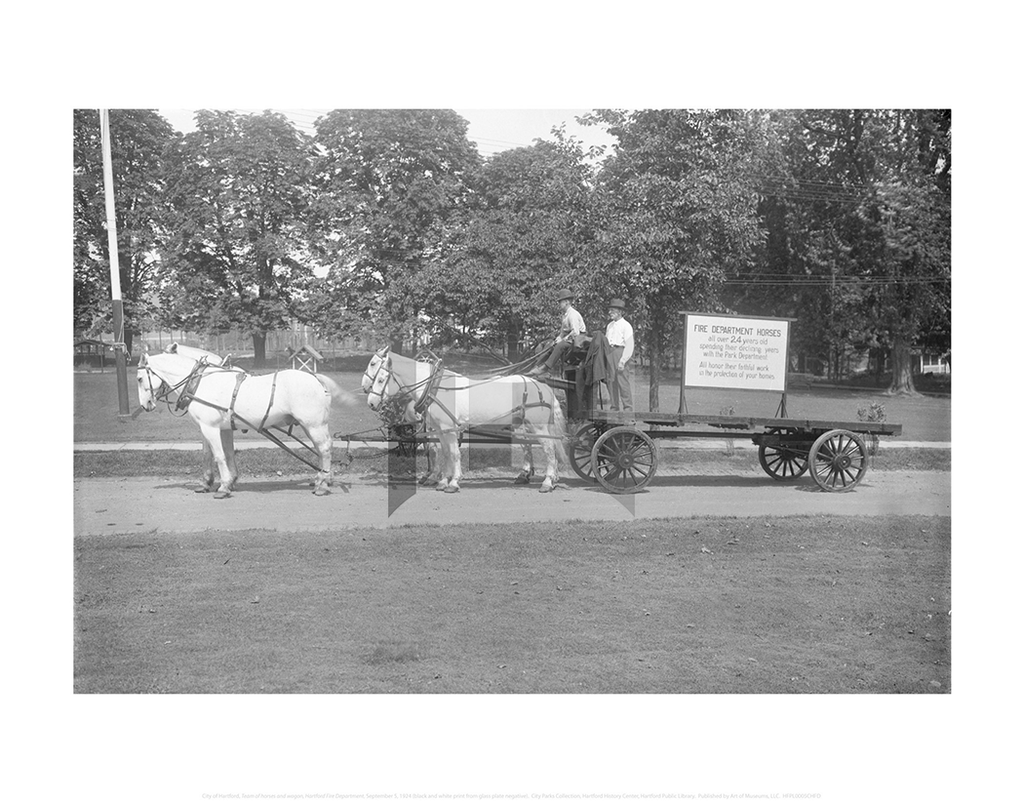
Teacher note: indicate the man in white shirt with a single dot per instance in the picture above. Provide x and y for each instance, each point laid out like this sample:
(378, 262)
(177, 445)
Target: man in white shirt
(568, 336)
(619, 335)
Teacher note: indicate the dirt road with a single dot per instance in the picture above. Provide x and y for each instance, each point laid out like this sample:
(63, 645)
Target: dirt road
(169, 505)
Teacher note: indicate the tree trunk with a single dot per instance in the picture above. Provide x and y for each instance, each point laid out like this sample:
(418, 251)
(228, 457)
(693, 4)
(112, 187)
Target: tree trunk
(902, 368)
(878, 358)
(655, 370)
(512, 346)
(259, 346)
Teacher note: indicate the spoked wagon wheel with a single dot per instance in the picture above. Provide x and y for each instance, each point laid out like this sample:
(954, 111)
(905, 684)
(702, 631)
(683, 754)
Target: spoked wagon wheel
(582, 447)
(781, 462)
(838, 460)
(624, 460)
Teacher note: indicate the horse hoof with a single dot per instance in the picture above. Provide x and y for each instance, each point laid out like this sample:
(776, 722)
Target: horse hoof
(547, 489)
(221, 495)
(201, 490)
(521, 480)
(321, 492)
(451, 490)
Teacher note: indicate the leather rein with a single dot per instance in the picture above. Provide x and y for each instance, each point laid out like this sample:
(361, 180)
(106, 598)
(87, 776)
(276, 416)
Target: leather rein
(392, 405)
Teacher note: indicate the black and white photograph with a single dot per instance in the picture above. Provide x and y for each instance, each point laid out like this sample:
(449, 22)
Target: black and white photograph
(577, 427)
(375, 404)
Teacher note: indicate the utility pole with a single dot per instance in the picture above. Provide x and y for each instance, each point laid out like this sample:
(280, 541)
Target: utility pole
(120, 359)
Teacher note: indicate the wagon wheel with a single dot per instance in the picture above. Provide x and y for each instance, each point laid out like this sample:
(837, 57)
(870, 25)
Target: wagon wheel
(781, 462)
(838, 460)
(580, 453)
(624, 460)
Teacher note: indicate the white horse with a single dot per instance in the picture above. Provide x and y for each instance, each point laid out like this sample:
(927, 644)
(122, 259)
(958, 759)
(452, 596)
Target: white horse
(220, 399)
(453, 403)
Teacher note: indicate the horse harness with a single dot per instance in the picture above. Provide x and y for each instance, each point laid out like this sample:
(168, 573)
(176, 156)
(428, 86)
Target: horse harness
(188, 387)
(188, 396)
(429, 397)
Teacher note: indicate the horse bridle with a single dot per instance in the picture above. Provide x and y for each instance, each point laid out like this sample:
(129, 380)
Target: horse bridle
(382, 354)
(390, 404)
(159, 394)
(163, 392)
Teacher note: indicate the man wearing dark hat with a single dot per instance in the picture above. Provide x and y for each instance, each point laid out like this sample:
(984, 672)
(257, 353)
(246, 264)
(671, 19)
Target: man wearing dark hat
(568, 336)
(619, 334)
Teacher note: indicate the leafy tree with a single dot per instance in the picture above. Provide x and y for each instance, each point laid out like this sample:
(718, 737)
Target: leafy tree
(678, 214)
(138, 139)
(387, 182)
(856, 207)
(911, 300)
(523, 234)
(238, 194)
(811, 185)
(910, 215)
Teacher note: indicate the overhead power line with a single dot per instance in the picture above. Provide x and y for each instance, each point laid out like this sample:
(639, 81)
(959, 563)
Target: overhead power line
(828, 282)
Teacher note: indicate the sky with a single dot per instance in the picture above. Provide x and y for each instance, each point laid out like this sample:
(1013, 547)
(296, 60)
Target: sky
(493, 130)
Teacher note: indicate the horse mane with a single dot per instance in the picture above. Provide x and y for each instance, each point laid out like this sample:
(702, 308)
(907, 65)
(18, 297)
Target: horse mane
(184, 364)
(171, 359)
(193, 353)
(404, 362)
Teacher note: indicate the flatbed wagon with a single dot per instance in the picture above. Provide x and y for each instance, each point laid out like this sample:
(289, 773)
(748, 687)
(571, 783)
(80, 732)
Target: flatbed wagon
(619, 450)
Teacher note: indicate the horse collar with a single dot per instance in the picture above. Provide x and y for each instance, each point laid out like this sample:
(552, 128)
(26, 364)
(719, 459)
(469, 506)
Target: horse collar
(188, 393)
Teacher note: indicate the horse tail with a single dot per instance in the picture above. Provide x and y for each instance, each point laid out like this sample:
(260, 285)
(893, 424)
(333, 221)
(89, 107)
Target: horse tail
(338, 394)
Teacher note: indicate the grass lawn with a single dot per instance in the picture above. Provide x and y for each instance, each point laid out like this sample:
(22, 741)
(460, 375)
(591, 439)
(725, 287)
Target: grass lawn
(702, 605)
(923, 418)
(369, 462)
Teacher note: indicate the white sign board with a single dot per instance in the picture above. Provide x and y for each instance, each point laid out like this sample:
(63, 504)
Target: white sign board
(736, 353)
